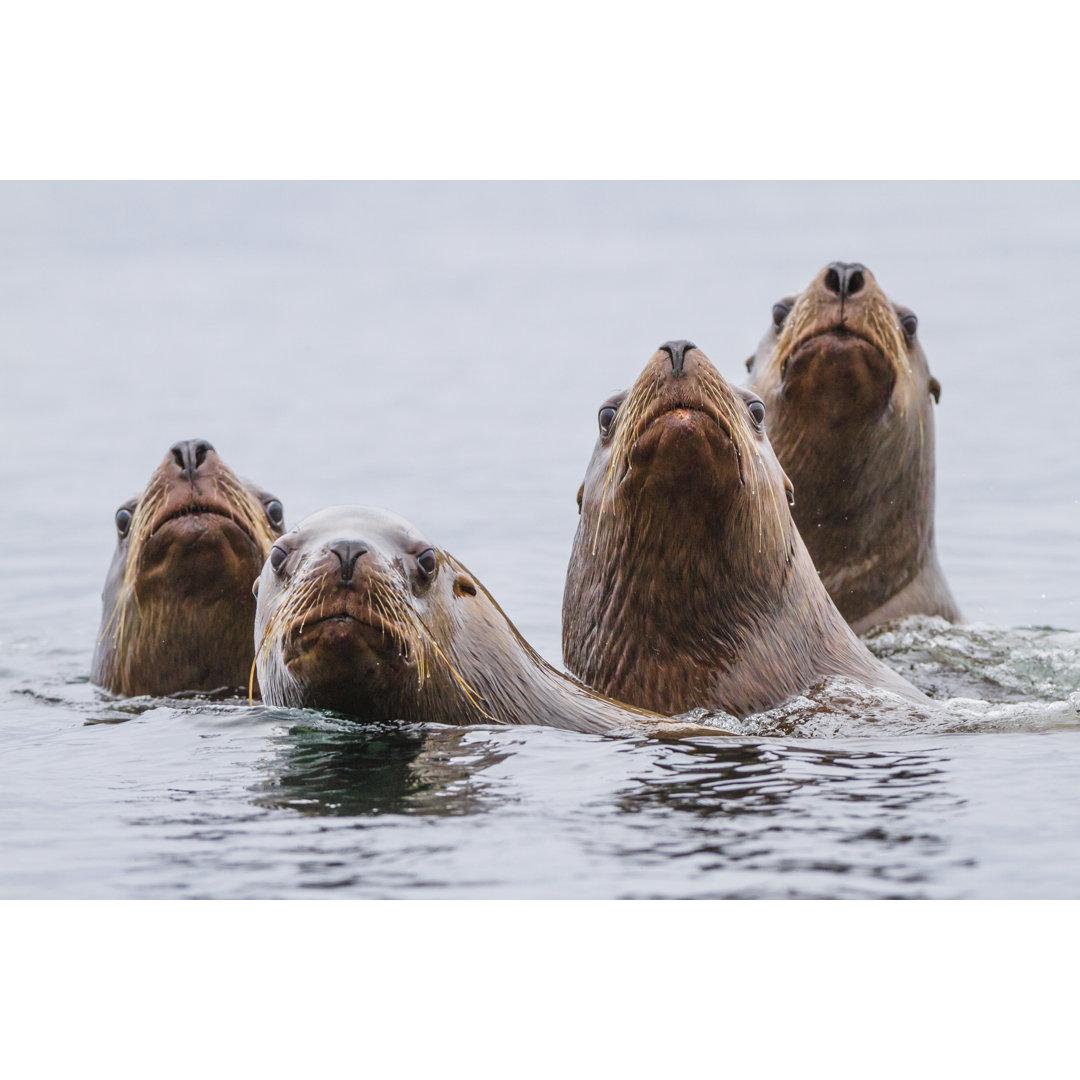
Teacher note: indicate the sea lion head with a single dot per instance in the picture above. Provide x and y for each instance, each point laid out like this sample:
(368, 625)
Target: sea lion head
(843, 354)
(177, 609)
(683, 441)
(359, 613)
(685, 536)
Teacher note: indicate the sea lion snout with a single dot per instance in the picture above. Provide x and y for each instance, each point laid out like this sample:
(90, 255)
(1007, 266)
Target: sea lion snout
(677, 350)
(190, 455)
(845, 279)
(348, 552)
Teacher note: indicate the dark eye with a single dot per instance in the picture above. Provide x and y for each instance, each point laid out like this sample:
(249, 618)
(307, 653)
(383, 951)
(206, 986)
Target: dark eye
(779, 314)
(123, 521)
(427, 562)
(275, 513)
(910, 323)
(606, 418)
(757, 412)
(278, 557)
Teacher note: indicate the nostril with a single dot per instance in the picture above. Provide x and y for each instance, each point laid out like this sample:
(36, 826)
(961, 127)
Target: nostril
(348, 553)
(190, 454)
(845, 279)
(677, 350)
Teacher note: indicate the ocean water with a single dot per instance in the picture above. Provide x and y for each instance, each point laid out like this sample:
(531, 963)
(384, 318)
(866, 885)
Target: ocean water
(441, 350)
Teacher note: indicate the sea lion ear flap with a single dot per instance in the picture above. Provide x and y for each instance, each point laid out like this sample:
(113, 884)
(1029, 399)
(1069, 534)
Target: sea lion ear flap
(464, 586)
(750, 363)
(789, 490)
(580, 496)
(255, 588)
(935, 389)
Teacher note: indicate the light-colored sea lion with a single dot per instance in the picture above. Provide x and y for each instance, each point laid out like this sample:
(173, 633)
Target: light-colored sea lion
(689, 584)
(359, 613)
(850, 400)
(177, 609)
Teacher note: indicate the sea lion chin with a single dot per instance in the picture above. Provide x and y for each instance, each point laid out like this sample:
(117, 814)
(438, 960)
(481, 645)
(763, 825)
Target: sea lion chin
(359, 613)
(850, 399)
(679, 443)
(689, 585)
(842, 375)
(177, 605)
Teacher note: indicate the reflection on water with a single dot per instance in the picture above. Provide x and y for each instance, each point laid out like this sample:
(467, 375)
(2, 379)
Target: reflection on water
(346, 769)
(812, 820)
(735, 818)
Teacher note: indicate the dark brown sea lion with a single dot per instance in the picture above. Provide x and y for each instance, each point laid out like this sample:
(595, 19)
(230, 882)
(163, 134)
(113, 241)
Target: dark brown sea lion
(689, 584)
(850, 401)
(359, 613)
(177, 609)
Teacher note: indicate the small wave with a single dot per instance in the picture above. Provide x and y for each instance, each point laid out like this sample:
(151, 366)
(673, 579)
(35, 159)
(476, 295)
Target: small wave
(835, 707)
(841, 708)
(981, 679)
(986, 663)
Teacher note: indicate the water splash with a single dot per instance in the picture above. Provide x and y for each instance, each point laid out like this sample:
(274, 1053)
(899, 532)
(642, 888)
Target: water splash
(987, 663)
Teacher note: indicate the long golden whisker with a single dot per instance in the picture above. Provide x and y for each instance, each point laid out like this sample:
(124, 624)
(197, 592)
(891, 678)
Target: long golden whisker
(288, 607)
(472, 695)
(628, 419)
(391, 605)
(248, 509)
(142, 519)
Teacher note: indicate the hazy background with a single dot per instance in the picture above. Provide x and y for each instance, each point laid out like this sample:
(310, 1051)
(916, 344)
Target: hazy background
(441, 349)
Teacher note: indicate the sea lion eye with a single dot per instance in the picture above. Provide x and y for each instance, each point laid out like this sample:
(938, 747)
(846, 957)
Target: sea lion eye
(278, 558)
(427, 562)
(910, 323)
(757, 412)
(123, 521)
(275, 513)
(606, 418)
(779, 314)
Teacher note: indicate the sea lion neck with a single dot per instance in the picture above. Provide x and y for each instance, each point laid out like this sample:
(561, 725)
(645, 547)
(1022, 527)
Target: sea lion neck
(850, 400)
(674, 581)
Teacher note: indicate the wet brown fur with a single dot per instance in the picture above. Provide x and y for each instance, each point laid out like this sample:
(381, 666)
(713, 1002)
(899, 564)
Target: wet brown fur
(849, 398)
(688, 583)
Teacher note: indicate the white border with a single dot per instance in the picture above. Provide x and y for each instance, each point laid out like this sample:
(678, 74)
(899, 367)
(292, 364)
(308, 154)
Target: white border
(583, 89)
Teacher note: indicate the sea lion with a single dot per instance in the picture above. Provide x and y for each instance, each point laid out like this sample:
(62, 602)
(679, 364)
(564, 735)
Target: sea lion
(177, 609)
(850, 400)
(689, 584)
(359, 613)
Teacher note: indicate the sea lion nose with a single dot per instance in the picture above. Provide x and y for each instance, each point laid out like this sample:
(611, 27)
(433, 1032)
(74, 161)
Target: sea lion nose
(190, 454)
(348, 553)
(845, 279)
(677, 350)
